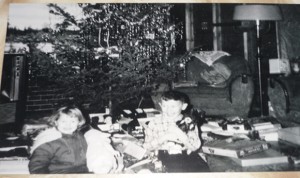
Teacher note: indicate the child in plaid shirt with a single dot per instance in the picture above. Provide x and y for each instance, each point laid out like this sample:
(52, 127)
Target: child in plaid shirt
(176, 146)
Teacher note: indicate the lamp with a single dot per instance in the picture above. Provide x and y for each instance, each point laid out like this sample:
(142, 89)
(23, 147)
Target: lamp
(258, 13)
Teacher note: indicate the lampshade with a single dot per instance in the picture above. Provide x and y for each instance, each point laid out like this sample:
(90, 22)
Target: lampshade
(257, 12)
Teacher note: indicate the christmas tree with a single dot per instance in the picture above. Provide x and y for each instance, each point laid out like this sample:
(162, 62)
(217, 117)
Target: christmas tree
(112, 52)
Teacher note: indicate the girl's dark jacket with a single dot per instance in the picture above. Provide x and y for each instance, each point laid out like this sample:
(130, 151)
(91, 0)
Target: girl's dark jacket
(61, 155)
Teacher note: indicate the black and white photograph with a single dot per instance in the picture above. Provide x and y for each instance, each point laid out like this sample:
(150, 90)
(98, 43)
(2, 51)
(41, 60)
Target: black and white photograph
(141, 88)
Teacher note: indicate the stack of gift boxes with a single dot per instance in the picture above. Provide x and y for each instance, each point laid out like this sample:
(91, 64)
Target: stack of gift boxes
(248, 142)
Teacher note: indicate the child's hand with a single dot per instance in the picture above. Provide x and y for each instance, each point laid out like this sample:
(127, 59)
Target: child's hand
(119, 161)
(175, 134)
(117, 153)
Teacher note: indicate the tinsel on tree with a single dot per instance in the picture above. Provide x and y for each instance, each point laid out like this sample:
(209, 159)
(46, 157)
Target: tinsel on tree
(112, 52)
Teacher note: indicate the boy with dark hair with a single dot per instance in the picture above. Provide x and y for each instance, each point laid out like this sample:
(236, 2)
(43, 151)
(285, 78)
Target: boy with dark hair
(177, 148)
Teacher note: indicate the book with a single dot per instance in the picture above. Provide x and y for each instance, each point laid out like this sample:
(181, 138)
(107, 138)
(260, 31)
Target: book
(237, 128)
(274, 129)
(290, 134)
(209, 136)
(15, 152)
(235, 149)
(129, 145)
(9, 148)
(10, 143)
(14, 158)
(207, 127)
(14, 166)
(134, 150)
(266, 157)
(265, 125)
(269, 136)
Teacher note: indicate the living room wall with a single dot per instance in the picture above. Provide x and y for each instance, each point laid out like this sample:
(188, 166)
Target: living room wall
(289, 31)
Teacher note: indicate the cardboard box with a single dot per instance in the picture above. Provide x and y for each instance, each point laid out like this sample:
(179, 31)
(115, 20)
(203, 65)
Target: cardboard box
(290, 134)
(279, 66)
(266, 157)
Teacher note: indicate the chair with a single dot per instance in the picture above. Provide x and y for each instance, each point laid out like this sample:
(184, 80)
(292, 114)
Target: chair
(232, 98)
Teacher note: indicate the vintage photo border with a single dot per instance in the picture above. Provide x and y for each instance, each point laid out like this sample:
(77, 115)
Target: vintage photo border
(4, 6)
